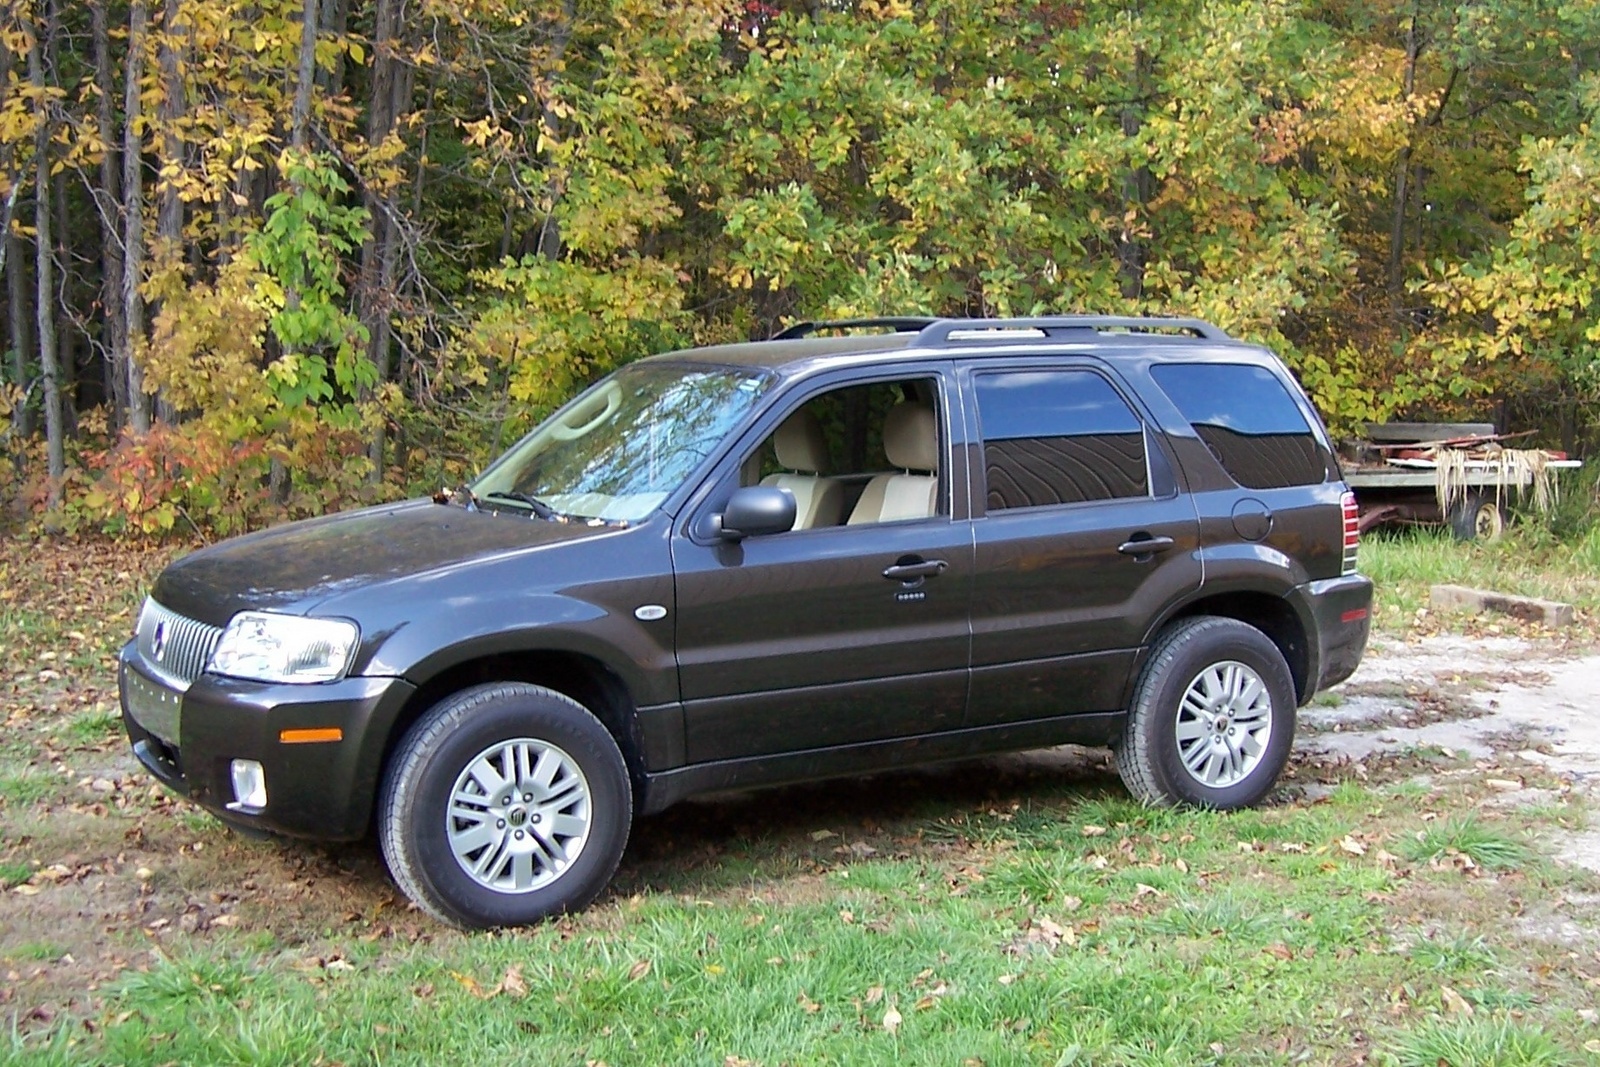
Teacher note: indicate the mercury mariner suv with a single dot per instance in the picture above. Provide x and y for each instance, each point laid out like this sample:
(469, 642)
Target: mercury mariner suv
(834, 552)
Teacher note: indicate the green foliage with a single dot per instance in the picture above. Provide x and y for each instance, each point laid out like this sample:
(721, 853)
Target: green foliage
(297, 254)
(508, 200)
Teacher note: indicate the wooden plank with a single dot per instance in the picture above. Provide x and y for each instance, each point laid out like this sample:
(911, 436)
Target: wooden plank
(1397, 432)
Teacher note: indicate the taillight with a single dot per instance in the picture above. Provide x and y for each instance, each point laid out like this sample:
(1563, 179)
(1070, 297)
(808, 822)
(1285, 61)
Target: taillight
(1352, 529)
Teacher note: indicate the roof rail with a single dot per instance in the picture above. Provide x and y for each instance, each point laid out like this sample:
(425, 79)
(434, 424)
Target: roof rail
(940, 332)
(904, 324)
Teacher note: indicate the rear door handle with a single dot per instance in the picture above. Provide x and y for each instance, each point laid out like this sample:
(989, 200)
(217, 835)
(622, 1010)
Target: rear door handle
(914, 571)
(1145, 546)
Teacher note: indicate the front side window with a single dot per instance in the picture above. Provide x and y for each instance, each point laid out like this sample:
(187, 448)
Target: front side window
(1248, 420)
(858, 454)
(617, 451)
(1058, 437)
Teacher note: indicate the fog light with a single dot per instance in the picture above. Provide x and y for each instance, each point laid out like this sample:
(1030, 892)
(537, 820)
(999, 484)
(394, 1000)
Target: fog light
(249, 785)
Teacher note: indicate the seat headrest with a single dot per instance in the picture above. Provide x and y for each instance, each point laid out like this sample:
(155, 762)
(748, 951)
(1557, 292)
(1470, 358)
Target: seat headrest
(911, 437)
(800, 445)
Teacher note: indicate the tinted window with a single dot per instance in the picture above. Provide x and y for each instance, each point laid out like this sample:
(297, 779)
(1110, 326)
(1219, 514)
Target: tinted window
(1058, 437)
(1248, 420)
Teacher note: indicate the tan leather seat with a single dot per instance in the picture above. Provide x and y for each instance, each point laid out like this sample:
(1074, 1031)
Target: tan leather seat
(911, 441)
(801, 448)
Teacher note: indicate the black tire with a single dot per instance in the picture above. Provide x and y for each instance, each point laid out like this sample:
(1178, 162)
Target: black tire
(485, 728)
(1477, 516)
(1150, 755)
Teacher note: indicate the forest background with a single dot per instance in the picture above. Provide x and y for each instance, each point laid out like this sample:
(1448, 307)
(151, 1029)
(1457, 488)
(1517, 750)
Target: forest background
(265, 258)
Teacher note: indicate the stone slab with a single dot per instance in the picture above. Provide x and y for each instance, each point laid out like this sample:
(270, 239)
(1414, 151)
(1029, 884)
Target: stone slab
(1527, 608)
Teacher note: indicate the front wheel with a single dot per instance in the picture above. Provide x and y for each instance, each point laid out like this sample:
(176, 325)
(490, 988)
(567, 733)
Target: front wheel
(1213, 717)
(503, 805)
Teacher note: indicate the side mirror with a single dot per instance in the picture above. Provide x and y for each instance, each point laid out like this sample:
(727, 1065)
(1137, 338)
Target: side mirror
(757, 510)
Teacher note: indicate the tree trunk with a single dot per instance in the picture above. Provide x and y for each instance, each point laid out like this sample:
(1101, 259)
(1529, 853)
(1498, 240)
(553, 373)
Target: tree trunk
(336, 17)
(109, 202)
(44, 272)
(70, 325)
(18, 307)
(300, 116)
(1136, 184)
(169, 217)
(391, 93)
(133, 218)
(1402, 168)
(550, 232)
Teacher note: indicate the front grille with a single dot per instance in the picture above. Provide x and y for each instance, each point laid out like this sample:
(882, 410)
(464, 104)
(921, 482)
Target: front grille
(174, 647)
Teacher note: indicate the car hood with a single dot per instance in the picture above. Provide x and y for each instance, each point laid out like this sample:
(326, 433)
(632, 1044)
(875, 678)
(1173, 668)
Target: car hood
(293, 567)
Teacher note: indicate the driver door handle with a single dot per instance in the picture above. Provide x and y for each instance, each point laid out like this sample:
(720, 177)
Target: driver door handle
(910, 572)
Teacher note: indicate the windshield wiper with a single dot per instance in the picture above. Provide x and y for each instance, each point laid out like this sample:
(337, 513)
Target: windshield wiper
(537, 506)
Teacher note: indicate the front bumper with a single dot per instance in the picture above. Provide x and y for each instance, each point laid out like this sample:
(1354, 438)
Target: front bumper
(321, 790)
(1341, 617)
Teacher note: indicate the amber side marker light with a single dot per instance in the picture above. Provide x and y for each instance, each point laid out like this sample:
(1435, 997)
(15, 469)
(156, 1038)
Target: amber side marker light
(318, 735)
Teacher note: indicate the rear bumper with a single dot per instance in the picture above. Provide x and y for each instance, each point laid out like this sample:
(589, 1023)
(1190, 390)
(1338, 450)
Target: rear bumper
(320, 790)
(1341, 617)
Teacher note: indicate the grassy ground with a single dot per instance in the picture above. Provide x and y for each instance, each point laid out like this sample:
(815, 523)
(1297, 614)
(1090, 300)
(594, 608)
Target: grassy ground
(1016, 911)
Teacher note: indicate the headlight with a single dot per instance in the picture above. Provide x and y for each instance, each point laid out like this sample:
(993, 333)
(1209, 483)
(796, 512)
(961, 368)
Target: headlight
(266, 647)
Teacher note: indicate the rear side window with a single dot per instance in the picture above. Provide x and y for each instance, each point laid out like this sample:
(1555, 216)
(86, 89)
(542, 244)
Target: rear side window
(1248, 420)
(1058, 437)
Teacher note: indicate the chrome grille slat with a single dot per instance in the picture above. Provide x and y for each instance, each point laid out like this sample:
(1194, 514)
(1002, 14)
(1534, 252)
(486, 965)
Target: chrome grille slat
(185, 647)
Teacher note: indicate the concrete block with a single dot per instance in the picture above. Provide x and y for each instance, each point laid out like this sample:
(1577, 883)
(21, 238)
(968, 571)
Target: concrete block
(1527, 608)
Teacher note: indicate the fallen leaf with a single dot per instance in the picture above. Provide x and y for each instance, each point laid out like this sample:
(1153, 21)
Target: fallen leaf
(1007, 979)
(822, 835)
(846, 916)
(807, 1005)
(512, 984)
(874, 995)
(1093, 831)
(638, 970)
(1352, 846)
(891, 1021)
(924, 1003)
(1454, 1002)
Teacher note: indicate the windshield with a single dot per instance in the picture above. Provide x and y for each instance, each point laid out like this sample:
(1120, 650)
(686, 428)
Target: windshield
(619, 449)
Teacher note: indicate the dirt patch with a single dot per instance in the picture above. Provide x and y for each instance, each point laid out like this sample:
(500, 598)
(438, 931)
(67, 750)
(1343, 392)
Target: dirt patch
(1524, 708)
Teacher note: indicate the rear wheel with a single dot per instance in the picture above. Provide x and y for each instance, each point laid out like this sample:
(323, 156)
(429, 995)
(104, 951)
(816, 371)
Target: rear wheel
(1477, 516)
(1213, 717)
(505, 804)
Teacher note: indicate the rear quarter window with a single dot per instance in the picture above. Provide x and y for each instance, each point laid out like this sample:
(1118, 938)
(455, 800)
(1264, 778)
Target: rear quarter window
(1249, 420)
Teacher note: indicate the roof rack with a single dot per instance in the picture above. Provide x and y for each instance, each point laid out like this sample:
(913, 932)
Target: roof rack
(981, 331)
(903, 324)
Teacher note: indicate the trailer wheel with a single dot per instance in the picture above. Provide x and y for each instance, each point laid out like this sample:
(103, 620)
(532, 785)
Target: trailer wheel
(1477, 516)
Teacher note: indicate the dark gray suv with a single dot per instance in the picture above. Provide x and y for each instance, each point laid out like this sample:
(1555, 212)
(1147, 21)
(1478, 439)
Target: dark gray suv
(830, 553)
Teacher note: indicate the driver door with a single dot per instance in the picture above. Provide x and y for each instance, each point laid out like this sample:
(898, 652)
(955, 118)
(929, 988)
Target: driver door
(799, 640)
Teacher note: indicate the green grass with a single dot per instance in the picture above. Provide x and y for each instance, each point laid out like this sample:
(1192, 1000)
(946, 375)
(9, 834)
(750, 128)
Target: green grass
(1013, 918)
(1466, 836)
(1170, 935)
(14, 872)
(1478, 1042)
(1404, 564)
(94, 727)
(26, 787)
